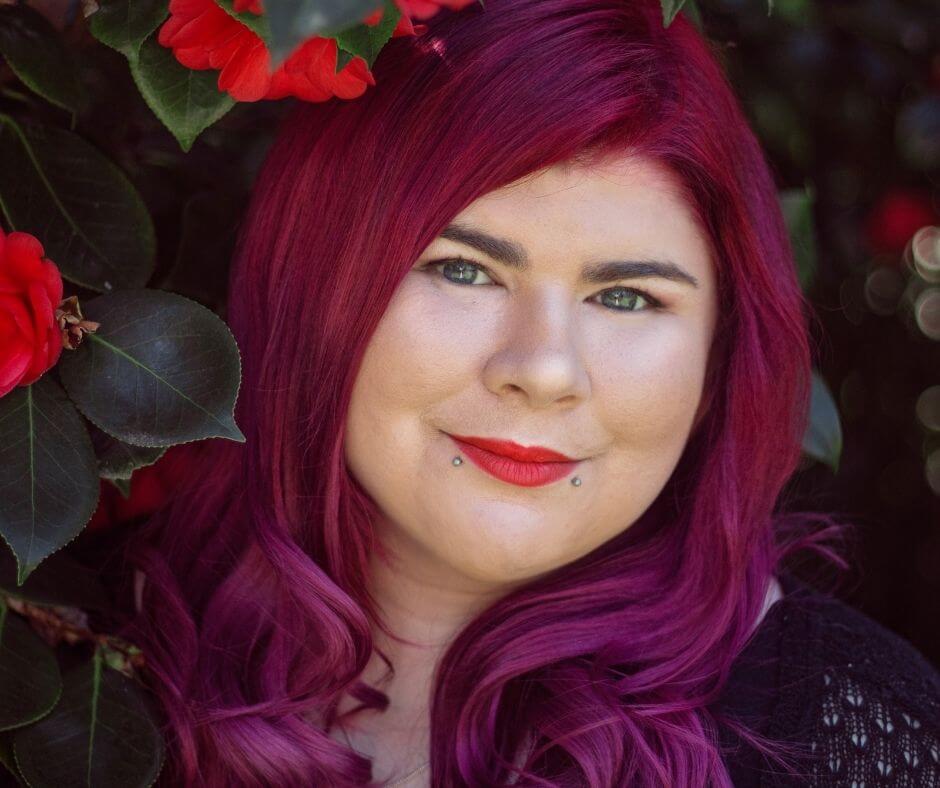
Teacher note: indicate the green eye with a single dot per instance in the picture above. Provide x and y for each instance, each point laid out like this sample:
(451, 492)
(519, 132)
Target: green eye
(628, 297)
(459, 271)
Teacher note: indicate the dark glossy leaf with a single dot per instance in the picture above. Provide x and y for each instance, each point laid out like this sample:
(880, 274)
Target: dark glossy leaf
(59, 580)
(292, 22)
(208, 232)
(123, 486)
(368, 40)
(160, 370)
(118, 460)
(36, 53)
(670, 9)
(124, 24)
(7, 760)
(797, 207)
(823, 438)
(187, 101)
(89, 217)
(48, 472)
(102, 733)
(30, 683)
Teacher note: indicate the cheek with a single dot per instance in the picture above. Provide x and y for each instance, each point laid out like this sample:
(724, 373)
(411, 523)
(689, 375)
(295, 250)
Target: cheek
(419, 354)
(649, 383)
(427, 345)
(413, 353)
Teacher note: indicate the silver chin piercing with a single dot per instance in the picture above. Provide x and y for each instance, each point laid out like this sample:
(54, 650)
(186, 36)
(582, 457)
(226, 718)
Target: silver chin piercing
(575, 480)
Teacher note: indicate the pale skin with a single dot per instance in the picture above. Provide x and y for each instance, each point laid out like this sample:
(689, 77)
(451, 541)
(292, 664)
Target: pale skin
(534, 355)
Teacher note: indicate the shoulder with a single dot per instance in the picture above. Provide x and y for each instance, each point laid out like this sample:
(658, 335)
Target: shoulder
(828, 636)
(862, 699)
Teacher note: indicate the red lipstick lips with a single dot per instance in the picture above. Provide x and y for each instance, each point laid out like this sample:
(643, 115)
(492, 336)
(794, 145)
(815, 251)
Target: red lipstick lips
(527, 466)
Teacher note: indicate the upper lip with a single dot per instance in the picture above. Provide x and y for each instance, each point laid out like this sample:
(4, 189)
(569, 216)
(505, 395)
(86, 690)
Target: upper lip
(515, 451)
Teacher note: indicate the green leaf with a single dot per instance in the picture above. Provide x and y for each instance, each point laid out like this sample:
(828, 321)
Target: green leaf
(670, 9)
(30, 684)
(103, 733)
(123, 486)
(208, 232)
(823, 437)
(59, 580)
(89, 217)
(342, 59)
(292, 22)
(691, 11)
(797, 207)
(119, 460)
(48, 472)
(186, 101)
(366, 41)
(124, 24)
(6, 756)
(36, 53)
(160, 370)
(256, 23)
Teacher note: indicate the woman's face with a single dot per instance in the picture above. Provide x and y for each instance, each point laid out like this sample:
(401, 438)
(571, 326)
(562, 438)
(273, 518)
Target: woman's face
(527, 341)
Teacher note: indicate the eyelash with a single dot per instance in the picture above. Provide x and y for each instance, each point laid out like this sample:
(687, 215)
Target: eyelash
(654, 303)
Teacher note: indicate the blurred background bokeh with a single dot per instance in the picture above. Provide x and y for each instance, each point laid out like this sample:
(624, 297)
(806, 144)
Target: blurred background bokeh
(845, 95)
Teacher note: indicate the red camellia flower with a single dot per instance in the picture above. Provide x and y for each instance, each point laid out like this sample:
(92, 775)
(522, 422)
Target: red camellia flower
(30, 291)
(202, 35)
(423, 9)
(896, 217)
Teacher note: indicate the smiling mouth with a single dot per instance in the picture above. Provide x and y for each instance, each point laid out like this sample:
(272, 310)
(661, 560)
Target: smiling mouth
(513, 450)
(523, 473)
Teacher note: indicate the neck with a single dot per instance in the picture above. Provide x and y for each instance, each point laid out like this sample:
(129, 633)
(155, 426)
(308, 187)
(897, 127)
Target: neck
(424, 605)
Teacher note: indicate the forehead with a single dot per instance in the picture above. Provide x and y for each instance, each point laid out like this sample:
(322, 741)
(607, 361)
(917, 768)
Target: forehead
(617, 181)
(621, 204)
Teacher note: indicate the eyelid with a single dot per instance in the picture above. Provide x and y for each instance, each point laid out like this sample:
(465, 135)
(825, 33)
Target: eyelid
(655, 303)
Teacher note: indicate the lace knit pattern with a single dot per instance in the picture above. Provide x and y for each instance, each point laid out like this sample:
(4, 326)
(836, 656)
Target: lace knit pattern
(869, 739)
(864, 700)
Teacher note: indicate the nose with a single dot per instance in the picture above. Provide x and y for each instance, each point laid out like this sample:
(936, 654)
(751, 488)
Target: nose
(540, 358)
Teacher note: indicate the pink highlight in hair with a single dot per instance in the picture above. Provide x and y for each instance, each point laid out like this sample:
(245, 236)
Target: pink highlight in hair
(255, 617)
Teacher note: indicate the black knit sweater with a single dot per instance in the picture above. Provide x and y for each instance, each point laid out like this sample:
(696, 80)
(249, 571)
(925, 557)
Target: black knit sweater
(861, 703)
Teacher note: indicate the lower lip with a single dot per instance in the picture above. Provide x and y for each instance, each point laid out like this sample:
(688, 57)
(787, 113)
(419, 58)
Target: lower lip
(524, 474)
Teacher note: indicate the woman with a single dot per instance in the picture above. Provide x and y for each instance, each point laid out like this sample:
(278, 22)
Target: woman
(547, 233)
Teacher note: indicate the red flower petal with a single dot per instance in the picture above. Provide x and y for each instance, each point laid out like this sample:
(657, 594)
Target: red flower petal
(423, 9)
(52, 281)
(404, 26)
(30, 290)
(13, 362)
(13, 307)
(351, 82)
(203, 35)
(246, 77)
(190, 32)
(47, 333)
(23, 253)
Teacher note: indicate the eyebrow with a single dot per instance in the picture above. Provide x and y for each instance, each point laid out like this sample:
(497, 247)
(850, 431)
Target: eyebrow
(514, 255)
